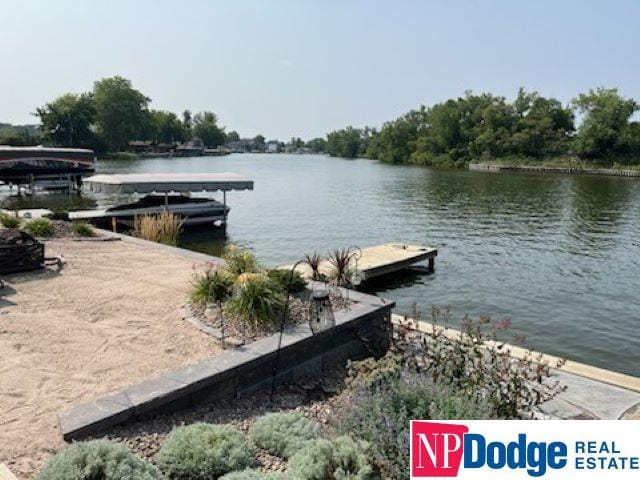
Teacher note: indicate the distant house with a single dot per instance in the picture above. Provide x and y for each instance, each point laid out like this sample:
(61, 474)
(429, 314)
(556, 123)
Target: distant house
(190, 149)
(241, 146)
(141, 146)
(273, 146)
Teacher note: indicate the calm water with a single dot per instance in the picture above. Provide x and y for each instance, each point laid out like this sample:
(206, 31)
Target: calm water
(559, 255)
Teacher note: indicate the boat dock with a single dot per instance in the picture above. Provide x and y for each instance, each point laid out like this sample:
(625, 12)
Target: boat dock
(380, 260)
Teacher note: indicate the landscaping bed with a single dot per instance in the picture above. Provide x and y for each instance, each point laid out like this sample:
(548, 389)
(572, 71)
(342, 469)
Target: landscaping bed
(351, 423)
(45, 227)
(317, 399)
(241, 301)
(214, 321)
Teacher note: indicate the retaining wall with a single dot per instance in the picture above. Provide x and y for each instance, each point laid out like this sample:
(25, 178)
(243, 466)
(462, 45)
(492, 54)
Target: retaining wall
(361, 331)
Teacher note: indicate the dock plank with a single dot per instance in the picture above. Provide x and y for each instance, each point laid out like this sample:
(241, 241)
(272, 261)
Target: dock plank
(379, 260)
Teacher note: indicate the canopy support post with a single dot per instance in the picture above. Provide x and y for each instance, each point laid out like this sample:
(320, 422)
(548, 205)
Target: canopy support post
(224, 208)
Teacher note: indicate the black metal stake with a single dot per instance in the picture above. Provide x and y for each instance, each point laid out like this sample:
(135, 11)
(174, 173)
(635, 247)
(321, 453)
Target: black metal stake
(221, 324)
(285, 312)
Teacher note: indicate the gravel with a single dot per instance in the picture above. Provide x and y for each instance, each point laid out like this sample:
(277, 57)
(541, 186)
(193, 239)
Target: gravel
(316, 399)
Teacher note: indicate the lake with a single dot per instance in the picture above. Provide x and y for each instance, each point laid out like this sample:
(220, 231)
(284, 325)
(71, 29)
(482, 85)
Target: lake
(559, 255)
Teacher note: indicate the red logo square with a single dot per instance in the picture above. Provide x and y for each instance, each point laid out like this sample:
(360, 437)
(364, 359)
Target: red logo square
(436, 448)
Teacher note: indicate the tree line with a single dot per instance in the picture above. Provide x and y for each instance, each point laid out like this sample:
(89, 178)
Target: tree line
(114, 113)
(478, 127)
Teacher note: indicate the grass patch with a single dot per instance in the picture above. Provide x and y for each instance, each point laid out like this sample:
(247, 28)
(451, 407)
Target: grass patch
(163, 228)
(240, 260)
(41, 227)
(82, 229)
(212, 284)
(256, 300)
(9, 221)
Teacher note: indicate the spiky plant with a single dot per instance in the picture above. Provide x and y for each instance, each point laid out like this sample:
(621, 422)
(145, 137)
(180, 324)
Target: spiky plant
(240, 260)
(9, 221)
(211, 285)
(287, 281)
(314, 260)
(256, 301)
(40, 227)
(82, 229)
(340, 260)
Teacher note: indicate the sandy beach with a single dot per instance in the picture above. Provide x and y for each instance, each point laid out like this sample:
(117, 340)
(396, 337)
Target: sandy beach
(108, 319)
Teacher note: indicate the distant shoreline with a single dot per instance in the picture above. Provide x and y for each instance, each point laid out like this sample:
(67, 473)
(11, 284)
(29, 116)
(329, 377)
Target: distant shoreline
(500, 167)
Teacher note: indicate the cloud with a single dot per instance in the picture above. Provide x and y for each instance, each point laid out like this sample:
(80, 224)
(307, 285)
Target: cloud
(285, 63)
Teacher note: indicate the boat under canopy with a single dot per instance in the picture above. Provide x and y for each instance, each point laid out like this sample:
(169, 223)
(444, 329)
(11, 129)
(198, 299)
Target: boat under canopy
(26, 164)
(164, 192)
(167, 183)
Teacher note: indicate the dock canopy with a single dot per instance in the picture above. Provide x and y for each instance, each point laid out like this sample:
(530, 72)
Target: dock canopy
(167, 182)
(24, 164)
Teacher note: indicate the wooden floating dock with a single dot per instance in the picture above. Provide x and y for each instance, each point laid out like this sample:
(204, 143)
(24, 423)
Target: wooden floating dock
(380, 260)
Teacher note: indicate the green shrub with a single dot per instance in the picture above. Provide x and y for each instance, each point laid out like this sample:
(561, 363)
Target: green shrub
(255, 300)
(476, 363)
(380, 413)
(97, 459)
(285, 281)
(283, 434)
(339, 459)
(240, 260)
(203, 451)
(41, 227)
(9, 221)
(82, 229)
(212, 284)
(251, 474)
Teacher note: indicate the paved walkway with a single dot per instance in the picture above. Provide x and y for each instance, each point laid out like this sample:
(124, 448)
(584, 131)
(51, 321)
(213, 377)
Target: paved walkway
(591, 399)
(592, 392)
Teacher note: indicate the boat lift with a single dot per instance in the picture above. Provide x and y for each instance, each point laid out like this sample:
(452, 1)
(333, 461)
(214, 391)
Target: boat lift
(166, 184)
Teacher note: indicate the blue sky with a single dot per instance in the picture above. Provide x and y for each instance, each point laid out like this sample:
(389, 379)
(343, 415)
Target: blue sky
(301, 68)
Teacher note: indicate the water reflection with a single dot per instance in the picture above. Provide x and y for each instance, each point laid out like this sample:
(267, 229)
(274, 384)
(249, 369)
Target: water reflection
(57, 202)
(600, 208)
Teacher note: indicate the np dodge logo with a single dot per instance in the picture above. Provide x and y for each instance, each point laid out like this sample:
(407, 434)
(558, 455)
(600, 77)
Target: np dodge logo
(525, 449)
(436, 449)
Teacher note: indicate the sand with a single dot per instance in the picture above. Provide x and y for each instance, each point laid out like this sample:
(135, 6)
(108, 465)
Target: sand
(108, 319)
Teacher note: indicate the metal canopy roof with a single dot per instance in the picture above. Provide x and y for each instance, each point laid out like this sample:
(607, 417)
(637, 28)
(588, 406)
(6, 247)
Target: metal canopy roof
(167, 182)
(41, 149)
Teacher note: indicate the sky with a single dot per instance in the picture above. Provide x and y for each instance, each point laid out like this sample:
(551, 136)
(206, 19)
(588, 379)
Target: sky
(285, 68)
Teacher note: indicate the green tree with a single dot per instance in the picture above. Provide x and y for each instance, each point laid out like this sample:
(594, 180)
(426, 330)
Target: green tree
(20, 137)
(296, 142)
(544, 127)
(348, 143)
(258, 142)
(166, 127)
(396, 141)
(316, 145)
(205, 127)
(232, 136)
(187, 124)
(445, 140)
(121, 112)
(68, 120)
(605, 132)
